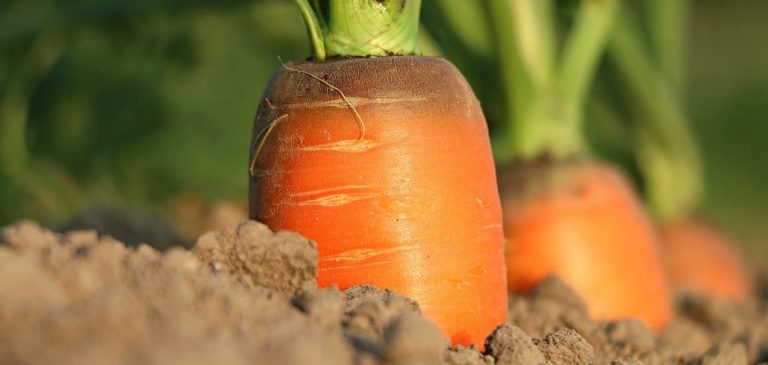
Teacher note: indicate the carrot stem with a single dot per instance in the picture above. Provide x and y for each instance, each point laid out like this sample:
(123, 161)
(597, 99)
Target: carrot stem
(343, 28)
(313, 28)
(581, 57)
(667, 152)
(667, 22)
(545, 91)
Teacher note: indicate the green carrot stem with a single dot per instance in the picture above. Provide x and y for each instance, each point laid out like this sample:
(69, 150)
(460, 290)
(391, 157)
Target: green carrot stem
(339, 28)
(516, 87)
(583, 50)
(535, 37)
(667, 153)
(667, 21)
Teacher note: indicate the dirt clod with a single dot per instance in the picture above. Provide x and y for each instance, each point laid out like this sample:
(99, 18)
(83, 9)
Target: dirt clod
(461, 355)
(369, 309)
(509, 345)
(282, 261)
(411, 339)
(325, 306)
(565, 347)
(550, 306)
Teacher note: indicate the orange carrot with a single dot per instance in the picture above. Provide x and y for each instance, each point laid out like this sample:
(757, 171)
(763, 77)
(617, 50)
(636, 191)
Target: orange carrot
(564, 213)
(385, 162)
(702, 260)
(582, 222)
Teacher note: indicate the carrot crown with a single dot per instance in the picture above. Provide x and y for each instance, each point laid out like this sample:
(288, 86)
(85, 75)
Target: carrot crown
(339, 28)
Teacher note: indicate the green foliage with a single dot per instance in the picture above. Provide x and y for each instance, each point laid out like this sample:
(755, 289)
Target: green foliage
(135, 102)
(132, 102)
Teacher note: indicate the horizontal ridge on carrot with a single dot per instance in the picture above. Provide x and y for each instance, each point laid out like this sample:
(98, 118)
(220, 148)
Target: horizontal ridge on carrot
(385, 162)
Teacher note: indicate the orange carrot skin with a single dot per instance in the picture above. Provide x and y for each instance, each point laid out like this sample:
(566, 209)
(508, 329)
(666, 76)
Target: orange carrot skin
(700, 259)
(582, 222)
(410, 204)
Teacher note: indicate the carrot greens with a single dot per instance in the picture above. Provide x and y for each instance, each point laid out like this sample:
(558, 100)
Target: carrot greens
(361, 27)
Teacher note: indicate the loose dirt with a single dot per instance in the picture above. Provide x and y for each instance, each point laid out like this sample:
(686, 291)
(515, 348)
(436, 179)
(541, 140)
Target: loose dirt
(247, 295)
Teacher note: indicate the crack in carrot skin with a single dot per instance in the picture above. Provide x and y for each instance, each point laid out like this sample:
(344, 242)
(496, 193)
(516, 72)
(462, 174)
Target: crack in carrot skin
(345, 145)
(335, 200)
(328, 190)
(364, 254)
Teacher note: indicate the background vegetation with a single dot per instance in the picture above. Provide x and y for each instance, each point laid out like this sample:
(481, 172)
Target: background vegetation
(141, 103)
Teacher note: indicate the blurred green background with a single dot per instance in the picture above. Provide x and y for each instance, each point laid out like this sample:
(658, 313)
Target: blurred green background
(145, 103)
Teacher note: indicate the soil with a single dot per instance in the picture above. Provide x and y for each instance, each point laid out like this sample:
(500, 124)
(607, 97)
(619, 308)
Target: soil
(246, 295)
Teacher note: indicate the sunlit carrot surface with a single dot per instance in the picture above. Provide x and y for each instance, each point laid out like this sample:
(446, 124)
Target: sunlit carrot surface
(701, 259)
(398, 192)
(582, 221)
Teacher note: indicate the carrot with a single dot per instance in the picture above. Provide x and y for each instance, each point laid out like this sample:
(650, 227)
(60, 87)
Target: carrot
(566, 213)
(697, 256)
(581, 221)
(702, 260)
(385, 162)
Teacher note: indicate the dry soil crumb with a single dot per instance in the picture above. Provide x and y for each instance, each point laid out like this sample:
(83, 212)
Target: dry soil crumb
(247, 295)
(565, 347)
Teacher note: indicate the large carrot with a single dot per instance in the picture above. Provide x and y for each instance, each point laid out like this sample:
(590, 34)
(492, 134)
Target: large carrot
(564, 212)
(698, 257)
(385, 162)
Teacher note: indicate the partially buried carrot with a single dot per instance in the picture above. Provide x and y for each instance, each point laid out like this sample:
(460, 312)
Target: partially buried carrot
(700, 259)
(566, 213)
(385, 162)
(582, 221)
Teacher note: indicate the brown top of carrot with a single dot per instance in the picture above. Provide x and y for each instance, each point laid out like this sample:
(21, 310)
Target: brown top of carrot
(369, 80)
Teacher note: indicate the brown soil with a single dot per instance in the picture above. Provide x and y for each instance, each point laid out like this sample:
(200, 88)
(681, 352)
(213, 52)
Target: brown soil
(248, 296)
